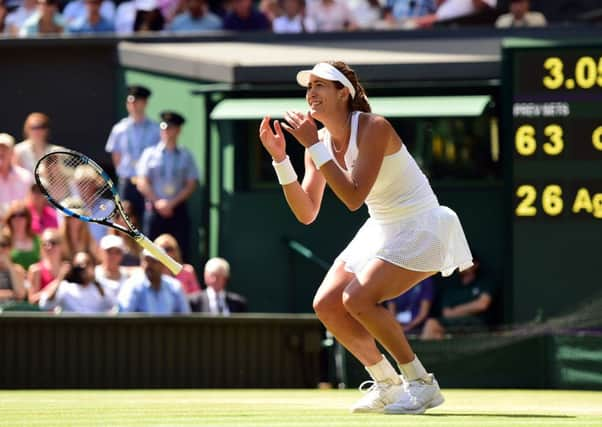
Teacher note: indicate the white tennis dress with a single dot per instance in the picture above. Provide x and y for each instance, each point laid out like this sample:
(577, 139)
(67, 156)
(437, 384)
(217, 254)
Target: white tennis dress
(407, 226)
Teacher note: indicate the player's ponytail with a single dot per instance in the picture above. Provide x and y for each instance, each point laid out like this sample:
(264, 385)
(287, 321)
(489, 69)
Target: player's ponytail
(360, 101)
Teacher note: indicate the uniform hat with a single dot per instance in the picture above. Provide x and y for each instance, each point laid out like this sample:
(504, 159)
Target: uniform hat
(6, 139)
(111, 241)
(171, 118)
(138, 92)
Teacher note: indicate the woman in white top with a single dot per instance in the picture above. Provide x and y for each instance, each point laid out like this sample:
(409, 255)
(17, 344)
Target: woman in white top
(407, 238)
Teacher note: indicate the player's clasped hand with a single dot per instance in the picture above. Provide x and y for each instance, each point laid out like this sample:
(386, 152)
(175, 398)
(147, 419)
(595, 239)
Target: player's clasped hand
(273, 140)
(302, 127)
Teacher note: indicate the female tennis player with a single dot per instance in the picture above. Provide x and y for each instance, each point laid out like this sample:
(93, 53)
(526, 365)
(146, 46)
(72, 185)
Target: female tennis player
(407, 238)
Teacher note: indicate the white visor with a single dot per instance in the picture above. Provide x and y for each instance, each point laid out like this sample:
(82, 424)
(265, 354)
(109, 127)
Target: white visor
(328, 72)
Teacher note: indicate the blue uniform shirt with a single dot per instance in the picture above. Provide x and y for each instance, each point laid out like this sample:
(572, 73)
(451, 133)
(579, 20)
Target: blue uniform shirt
(185, 22)
(167, 170)
(130, 139)
(137, 295)
(83, 26)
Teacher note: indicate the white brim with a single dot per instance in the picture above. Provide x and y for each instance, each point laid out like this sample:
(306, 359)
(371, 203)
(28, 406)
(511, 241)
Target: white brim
(327, 72)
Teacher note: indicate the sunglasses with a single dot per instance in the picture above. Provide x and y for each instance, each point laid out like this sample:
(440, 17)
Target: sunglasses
(38, 127)
(4, 244)
(51, 242)
(20, 214)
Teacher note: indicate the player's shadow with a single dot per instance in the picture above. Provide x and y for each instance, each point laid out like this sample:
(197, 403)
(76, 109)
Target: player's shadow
(473, 414)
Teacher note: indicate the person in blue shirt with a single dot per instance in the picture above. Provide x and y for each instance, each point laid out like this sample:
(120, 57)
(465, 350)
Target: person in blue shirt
(128, 140)
(244, 16)
(197, 17)
(167, 176)
(93, 21)
(152, 291)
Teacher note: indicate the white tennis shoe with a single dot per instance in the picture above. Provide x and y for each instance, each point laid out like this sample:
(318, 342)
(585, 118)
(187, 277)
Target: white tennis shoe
(417, 397)
(378, 395)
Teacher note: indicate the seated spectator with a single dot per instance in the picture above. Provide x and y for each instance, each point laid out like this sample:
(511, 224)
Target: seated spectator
(109, 273)
(12, 276)
(216, 299)
(404, 9)
(152, 291)
(244, 16)
(14, 180)
(412, 308)
(521, 16)
(125, 15)
(187, 277)
(367, 14)
(43, 272)
(331, 15)
(293, 18)
(464, 304)
(43, 216)
(148, 16)
(76, 290)
(25, 243)
(77, 237)
(271, 9)
(93, 22)
(36, 131)
(76, 10)
(197, 17)
(16, 19)
(46, 21)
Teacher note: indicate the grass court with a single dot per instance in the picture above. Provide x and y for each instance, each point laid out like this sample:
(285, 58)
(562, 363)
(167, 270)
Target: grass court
(298, 408)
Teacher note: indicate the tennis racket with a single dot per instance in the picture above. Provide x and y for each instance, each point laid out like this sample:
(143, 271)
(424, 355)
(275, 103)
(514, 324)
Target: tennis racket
(78, 187)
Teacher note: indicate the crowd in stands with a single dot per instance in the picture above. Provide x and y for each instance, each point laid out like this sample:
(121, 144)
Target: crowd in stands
(38, 17)
(53, 262)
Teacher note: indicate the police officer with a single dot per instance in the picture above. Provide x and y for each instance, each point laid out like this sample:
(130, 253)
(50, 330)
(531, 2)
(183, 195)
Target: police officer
(167, 177)
(128, 140)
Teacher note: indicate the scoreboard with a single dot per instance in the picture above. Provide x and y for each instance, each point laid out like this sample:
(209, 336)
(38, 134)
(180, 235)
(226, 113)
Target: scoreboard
(552, 136)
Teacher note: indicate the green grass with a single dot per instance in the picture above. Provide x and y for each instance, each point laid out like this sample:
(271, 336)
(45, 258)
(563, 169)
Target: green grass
(311, 408)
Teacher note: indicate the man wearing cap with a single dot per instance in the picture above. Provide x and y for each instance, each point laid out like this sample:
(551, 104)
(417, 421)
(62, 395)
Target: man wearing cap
(167, 177)
(152, 292)
(15, 181)
(128, 140)
(109, 273)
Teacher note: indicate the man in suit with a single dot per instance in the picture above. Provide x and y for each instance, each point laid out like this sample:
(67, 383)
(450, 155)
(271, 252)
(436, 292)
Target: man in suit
(216, 299)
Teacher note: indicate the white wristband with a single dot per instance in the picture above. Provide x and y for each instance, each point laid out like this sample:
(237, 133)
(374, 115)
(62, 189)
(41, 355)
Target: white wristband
(319, 154)
(285, 171)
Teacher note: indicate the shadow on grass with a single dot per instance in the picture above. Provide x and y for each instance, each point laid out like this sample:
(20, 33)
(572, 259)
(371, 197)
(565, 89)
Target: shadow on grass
(476, 414)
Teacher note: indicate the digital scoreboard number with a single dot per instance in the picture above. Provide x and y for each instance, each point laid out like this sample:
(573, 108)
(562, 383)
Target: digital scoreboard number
(552, 121)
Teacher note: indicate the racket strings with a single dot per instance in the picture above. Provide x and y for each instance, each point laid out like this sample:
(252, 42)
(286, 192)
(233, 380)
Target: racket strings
(77, 186)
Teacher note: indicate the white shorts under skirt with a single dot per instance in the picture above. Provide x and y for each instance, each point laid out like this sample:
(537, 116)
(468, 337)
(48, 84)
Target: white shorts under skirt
(429, 241)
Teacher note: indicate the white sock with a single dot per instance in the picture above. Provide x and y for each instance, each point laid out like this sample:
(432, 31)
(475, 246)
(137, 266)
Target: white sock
(413, 370)
(383, 371)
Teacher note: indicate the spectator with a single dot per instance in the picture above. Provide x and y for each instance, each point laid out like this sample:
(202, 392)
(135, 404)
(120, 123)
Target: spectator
(293, 18)
(109, 273)
(367, 14)
(36, 131)
(412, 308)
(15, 181)
(125, 15)
(90, 187)
(521, 16)
(148, 16)
(43, 216)
(131, 249)
(271, 9)
(464, 303)
(331, 15)
(77, 10)
(77, 237)
(452, 9)
(92, 21)
(404, 9)
(12, 276)
(167, 177)
(216, 299)
(197, 17)
(152, 292)
(46, 21)
(243, 16)
(43, 272)
(187, 277)
(76, 290)
(128, 140)
(16, 19)
(3, 17)
(25, 244)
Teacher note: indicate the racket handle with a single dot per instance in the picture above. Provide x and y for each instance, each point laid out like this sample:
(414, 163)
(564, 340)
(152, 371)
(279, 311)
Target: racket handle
(159, 253)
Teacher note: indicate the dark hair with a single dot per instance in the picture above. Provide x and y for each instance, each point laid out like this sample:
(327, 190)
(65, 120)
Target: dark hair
(360, 101)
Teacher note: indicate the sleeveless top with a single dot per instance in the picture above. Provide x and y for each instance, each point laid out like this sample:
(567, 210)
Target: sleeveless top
(46, 275)
(400, 191)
